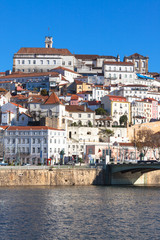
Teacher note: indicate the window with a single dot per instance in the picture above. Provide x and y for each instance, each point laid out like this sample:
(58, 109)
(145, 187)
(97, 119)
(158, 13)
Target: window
(33, 150)
(63, 62)
(41, 61)
(34, 61)
(130, 75)
(89, 115)
(136, 64)
(29, 70)
(29, 61)
(23, 62)
(38, 150)
(79, 115)
(90, 150)
(69, 63)
(50, 140)
(47, 61)
(33, 141)
(119, 68)
(54, 140)
(18, 61)
(54, 61)
(45, 150)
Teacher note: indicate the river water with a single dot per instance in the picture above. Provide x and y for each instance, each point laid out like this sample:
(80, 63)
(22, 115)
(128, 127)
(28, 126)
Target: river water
(90, 212)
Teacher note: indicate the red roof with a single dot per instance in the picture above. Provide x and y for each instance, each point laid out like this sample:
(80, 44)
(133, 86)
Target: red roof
(53, 99)
(48, 51)
(65, 69)
(20, 75)
(14, 128)
(74, 97)
(76, 108)
(17, 105)
(117, 98)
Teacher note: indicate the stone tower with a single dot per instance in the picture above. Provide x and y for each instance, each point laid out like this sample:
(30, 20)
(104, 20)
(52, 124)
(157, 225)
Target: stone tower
(48, 42)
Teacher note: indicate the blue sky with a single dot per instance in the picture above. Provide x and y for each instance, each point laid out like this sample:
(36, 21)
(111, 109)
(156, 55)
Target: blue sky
(105, 27)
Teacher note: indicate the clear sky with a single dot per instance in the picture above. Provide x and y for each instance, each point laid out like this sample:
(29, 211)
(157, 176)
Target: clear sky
(104, 27)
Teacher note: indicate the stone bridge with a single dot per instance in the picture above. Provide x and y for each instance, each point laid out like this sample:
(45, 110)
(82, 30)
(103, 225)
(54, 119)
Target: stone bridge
(130, 173)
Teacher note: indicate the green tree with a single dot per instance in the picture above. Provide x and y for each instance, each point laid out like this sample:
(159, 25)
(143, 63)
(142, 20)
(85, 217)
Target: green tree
(44, 92)
(123, 120)
(100, 111)
(143, 140)
(89, 124)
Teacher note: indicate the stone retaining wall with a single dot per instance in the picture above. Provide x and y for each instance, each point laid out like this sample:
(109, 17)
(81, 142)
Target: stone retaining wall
(56, 177)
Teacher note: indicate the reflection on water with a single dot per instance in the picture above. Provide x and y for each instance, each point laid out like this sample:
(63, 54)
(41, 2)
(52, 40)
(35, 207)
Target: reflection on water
(79, 213)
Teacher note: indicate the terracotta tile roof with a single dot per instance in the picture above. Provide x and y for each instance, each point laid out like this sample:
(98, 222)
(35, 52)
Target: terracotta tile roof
(119, 63)
(4, 127)
(74, 97)
(26, 128)
(48, 51)
(5, 81)
(126, 144)
(117, 98)
(92, 57)
(136, 55)
(21, 75)
(92, 103)
(3, 90)
(76, 108)
(65, 69)
(53, 99)
(17, 105)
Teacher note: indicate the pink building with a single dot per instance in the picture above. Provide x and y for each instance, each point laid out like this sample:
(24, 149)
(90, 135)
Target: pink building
(154, 107)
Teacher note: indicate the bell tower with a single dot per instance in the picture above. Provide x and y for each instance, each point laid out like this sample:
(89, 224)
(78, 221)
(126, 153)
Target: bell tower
(48, 42)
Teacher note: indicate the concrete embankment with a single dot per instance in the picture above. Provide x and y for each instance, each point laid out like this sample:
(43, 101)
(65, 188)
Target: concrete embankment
(57, 177)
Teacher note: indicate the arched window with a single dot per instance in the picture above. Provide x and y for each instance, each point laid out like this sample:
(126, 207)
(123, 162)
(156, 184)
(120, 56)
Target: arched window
(136, 64)
(143, 64)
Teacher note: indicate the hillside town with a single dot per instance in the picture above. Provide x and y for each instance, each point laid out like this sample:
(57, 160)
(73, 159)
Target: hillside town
(58, 107)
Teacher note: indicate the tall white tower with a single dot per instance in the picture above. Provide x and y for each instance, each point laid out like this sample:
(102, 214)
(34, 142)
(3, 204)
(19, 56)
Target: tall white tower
(48, 42)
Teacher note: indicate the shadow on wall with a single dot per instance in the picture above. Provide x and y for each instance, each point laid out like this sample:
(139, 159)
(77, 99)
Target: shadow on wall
(100, 178)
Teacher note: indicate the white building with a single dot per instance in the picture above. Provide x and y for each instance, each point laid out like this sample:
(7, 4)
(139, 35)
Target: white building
(42, 59)
(133, 90)
(34, 144)
(10, 113)
(118, 72)
(80, 114)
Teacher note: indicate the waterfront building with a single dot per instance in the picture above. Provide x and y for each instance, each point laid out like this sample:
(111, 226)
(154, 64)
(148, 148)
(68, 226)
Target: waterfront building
(33, 144)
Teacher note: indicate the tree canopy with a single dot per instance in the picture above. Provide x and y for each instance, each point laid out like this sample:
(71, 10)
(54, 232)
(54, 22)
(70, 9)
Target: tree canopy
(100, 111)
(123, 120)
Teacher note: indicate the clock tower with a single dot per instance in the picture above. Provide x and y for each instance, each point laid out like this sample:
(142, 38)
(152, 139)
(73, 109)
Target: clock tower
(48, 42)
